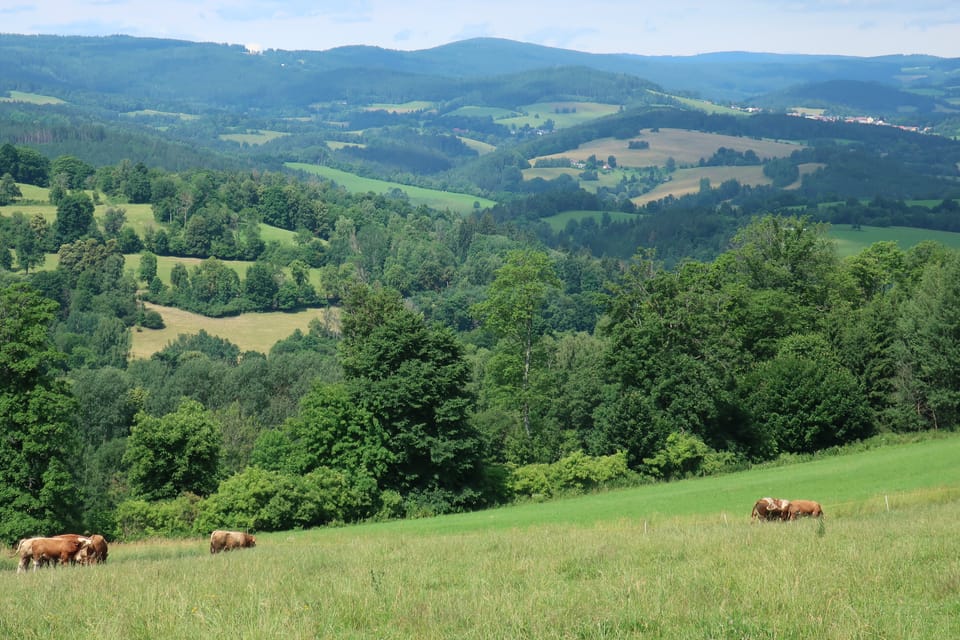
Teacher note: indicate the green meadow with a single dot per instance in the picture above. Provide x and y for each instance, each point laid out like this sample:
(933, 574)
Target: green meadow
(459, 202)
(32, 98)
(678, 560)
(851, 241)
(559, 221)
(564, 114)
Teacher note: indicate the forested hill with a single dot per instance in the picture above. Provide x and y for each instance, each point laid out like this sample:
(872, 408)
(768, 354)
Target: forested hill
(159, 69)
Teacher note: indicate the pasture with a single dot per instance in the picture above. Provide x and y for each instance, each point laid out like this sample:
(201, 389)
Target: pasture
(677, 560)
(31, 98)
(684, 146)
(559, 221)
(852, 241)
(441, 200)
(564, 114)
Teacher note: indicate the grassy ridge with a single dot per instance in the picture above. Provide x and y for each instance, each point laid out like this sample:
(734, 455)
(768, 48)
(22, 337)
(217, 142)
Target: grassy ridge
(679, 560)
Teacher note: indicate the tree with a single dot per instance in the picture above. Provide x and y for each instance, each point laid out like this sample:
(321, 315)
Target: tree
(113, 219)
(9, 191)
(413, 380)
(512, 308)
(147, 270)
(38, 450)
(260, 285)
(177, 453)
(74, 217)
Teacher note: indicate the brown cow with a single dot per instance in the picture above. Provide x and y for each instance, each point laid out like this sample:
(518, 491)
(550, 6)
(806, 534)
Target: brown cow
(95, 551)
(770, 509)
(229, 540)
(42, 550)
(799, 508)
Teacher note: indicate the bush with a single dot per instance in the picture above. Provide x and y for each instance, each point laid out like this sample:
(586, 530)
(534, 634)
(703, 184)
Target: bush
(575, 473)
(256, 499)
(138, 519)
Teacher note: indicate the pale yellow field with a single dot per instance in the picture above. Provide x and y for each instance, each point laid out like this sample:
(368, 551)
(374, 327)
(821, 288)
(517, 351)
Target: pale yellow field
(477, 145)
(336, 144)
(249, 331)
(687, 181)
(253, 137)
(685, 147)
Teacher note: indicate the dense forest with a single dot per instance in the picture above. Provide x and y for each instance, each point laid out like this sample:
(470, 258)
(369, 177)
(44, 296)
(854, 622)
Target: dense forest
(477, 358)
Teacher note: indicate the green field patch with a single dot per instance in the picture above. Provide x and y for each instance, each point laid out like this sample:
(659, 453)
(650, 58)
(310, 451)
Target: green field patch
(336, 144)
(31, 98)
(471, 111)
(684, 146)
(563, 113)
(559, 221)
(412, 106)
(704, 105)
(850, 241)
(441, 200)
(253, 137)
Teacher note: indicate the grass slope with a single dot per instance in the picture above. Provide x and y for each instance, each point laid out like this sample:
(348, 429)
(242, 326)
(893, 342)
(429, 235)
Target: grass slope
(459, 202)
(679, 560)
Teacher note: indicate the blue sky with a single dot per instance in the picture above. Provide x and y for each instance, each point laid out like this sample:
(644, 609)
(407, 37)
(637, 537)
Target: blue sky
(672, 27)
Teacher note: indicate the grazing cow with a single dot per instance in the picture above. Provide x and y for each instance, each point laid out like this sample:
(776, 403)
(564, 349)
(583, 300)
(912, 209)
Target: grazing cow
(770, 509)
(95, 551)
(229, 540)
(42, 550)
(799, 508)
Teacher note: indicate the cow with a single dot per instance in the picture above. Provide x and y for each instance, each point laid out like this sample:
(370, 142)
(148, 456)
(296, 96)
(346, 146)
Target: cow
(799, 508)
(95, 551)
(229, 540)
(770, 509)
(43, 550)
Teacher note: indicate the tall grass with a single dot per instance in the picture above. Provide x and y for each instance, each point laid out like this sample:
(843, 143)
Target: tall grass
(615, 565)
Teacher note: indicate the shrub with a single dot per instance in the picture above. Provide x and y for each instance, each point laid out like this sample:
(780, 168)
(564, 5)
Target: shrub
(165, 518)
(575, 473)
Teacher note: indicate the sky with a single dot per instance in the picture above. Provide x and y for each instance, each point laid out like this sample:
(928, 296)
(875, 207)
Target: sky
(664, 27)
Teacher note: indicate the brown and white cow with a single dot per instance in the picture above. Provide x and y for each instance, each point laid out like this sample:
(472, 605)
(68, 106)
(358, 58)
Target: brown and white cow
(799, 508)
(230, 540)
(43, 550)
(93, 552)
(770, 509)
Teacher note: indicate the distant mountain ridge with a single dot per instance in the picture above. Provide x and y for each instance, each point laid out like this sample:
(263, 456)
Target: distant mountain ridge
(148, 64)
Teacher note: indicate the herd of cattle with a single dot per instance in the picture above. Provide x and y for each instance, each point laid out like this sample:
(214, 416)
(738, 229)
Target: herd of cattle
(66, 548)
(76, 549)
(72, 548)
(780, 509)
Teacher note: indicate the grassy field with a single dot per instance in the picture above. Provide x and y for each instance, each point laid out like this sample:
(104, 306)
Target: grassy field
(407, 107)
(32, 98)
(575, 113)
(253, 137)
(459, 202)
(852, 241)
(679, 560)
(249, 331)
(685, 147)
(559, 221)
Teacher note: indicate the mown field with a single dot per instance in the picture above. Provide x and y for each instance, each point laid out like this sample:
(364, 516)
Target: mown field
(249, 331)
(459, 202)
(253, 137)
(684, 146)
(678, 560)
